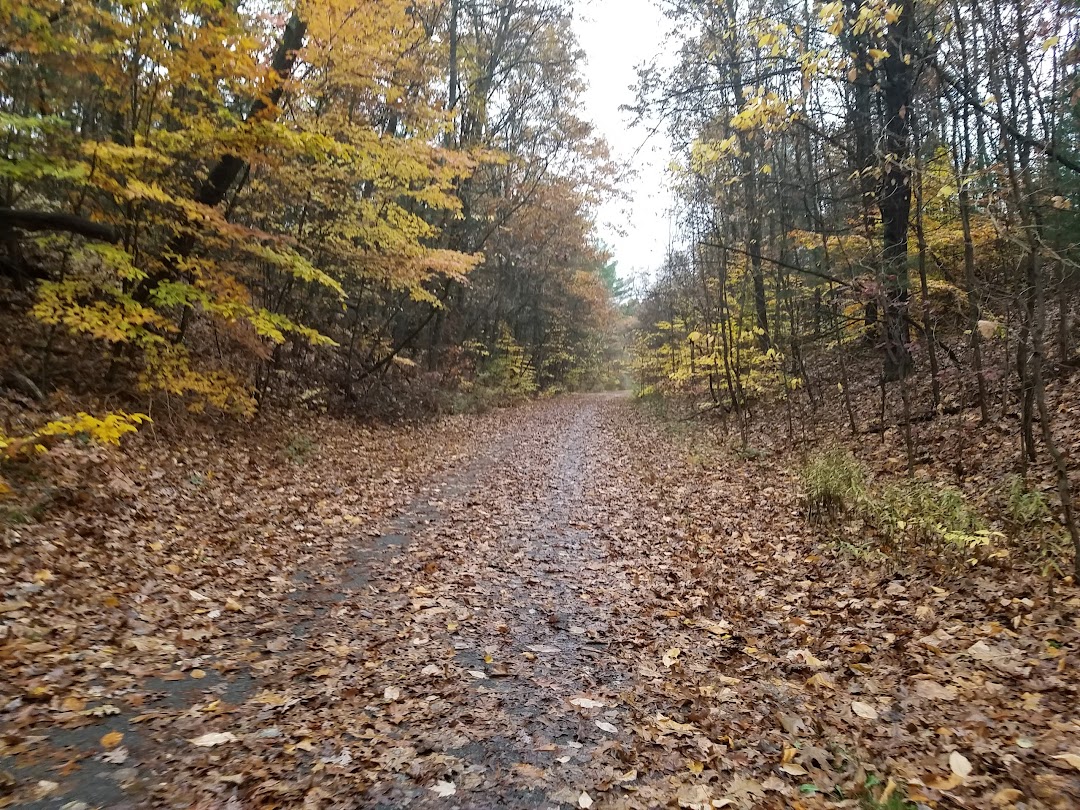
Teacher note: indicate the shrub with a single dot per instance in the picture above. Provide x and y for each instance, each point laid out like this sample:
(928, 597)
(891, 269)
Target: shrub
(1032, 517)
(834, 482)
(1025, 507)
(108, 429)
(904, 514)
(507, 369)
(925, 512)
(299, 448)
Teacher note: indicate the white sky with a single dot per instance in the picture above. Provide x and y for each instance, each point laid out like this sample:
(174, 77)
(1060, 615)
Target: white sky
(617, 36)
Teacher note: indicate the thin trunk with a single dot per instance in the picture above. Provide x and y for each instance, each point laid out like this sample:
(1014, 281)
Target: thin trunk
(894, 193)
(752, 211)
(924, 289)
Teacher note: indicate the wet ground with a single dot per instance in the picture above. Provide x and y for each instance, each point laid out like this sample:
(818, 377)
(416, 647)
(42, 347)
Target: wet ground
(463, 634)
(588, 607)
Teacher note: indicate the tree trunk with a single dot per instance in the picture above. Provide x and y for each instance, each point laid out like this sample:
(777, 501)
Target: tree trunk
(894, 193)
(748, 146)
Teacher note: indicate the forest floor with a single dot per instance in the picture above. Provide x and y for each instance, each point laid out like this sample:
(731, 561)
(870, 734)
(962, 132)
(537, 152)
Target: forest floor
(568, 604)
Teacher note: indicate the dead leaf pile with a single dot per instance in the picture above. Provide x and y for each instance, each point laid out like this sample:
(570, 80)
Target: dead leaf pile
(560, 606)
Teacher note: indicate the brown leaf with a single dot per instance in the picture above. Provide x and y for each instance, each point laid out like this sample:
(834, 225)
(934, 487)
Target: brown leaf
(932, 690)
(864, 710)
(1069, 759)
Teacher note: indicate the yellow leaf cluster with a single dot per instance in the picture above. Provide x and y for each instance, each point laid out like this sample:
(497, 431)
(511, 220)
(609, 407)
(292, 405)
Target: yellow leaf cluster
(107, 429)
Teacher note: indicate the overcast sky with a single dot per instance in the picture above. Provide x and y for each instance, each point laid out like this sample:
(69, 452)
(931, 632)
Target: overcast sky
(618, 35)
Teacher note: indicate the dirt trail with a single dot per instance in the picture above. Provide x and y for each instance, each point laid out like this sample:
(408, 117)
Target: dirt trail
(446, 649)
(511, 550)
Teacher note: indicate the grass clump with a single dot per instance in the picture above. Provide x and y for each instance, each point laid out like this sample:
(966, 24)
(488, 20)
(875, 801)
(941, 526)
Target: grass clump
(896, 801)
(299, 448)
(901, 515)
(1025, 507)
(834, 483)
(1031, 516)
(927, 513)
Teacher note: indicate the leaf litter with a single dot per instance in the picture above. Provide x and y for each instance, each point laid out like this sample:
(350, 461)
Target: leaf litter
(562, 606)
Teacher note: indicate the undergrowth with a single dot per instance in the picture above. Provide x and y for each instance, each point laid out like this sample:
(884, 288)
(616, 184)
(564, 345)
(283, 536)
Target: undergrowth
(836, 485)
(1025, 507)
(923, 512)
(299, 448)
(1032, 520)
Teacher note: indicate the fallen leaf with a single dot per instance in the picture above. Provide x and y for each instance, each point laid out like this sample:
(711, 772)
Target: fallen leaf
(959, 764)
(1006, 796)
(1070, 759)
(694, 797)
(530, 772)
(584, 801)
(932, 690)
(669, 726)
(608, 727)
(742, 786)
(112, 739)
(444, 789)
(214, 738)
(944, 783)
(806, 658)
(543, 648)
(864, 710)
(268, 698)
(587, 703)
(117, 756)
(44, 787)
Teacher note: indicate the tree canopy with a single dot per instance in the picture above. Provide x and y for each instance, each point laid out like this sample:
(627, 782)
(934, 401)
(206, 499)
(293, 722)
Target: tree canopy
(221, 202)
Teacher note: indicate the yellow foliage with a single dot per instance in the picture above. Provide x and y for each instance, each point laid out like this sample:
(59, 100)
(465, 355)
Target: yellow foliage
(107, 430)
(332, 196)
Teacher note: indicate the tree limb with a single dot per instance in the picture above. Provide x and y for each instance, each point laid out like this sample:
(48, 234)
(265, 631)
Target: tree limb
(779, 263)
(11, 219)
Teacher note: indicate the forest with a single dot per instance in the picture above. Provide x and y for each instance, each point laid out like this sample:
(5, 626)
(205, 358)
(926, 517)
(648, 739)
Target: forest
(344, 463)
(220, 206)
(877, 201)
